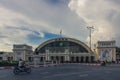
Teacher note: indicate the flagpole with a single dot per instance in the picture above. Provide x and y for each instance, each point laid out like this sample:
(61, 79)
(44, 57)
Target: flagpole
(61, 33)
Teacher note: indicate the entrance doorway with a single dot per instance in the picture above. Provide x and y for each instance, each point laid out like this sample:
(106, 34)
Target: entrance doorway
(71, 59)
(92, 58)
(82, 59)
(77, 59)
(62, 59)
(87, 59)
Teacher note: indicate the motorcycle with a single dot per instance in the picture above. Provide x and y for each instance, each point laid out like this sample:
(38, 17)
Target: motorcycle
(103, 63)
(18, 70)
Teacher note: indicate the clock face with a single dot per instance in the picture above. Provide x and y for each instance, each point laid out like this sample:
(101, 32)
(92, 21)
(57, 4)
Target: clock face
(61, 44)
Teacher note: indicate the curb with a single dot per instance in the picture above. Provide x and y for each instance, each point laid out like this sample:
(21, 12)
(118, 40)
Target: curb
(32, 66)
(54, 65)
(89, 64)
(38, 66)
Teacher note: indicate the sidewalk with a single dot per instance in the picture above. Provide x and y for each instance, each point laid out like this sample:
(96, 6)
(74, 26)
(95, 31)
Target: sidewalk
(92, 64)
(51, 65)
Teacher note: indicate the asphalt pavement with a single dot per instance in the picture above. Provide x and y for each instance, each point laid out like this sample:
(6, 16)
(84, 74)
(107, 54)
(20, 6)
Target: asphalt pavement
(65, 72)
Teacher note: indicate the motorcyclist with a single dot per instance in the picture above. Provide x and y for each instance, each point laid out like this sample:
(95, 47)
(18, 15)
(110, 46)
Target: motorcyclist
(21, 64)
(22, 67)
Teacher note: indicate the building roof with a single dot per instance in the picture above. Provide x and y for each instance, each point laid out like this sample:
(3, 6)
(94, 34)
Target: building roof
(63, 42)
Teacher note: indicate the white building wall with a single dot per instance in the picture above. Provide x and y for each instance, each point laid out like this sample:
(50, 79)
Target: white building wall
(106, 50)
(7, 55)
(22, 51)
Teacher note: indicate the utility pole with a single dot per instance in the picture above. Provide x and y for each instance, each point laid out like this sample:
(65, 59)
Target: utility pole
(90, 28)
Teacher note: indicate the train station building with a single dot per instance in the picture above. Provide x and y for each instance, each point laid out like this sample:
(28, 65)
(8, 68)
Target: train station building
(65, 50)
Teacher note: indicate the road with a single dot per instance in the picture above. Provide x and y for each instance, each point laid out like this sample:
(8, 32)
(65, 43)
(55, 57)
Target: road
(66, 72)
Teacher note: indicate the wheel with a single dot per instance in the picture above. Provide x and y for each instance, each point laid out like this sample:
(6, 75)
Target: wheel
(28, 70)
(15, 71)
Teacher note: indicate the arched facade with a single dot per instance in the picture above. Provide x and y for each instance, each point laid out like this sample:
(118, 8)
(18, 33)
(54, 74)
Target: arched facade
(65, 50)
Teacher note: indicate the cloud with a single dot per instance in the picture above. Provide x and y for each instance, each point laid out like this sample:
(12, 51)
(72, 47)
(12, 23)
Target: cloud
(102, 14)
(14, 28)
(17, 28)
(35, 21)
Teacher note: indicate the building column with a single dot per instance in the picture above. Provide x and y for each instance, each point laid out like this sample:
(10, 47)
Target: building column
(74, 59)
(114, 54)
(90, 59)
(67, 58)
(47, 58)
(79, 59)
(84, 59)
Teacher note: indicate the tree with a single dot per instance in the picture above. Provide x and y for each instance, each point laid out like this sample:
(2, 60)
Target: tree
(118, 50)
(117, 54)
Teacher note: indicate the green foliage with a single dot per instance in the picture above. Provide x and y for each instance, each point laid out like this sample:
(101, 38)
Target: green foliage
(118, 50)
(6, 63)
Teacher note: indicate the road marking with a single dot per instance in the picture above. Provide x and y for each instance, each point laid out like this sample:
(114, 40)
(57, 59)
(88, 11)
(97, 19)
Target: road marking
(45, 73)
(83, 75)
(107, 72)
(68, 74)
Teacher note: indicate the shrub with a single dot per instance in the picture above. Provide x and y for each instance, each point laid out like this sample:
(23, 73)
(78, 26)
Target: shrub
(6, 63)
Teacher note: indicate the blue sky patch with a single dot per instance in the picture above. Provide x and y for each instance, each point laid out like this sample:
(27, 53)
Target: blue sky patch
(36, 39)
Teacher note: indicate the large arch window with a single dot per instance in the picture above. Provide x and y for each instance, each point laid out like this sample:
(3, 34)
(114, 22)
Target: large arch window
(61, 46)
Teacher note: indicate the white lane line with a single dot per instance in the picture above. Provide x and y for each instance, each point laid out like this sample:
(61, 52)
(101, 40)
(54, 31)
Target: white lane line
(68, 74)
(83, 75)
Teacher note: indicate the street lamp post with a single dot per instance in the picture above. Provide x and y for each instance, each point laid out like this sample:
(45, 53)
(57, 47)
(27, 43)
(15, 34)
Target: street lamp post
(90, 28)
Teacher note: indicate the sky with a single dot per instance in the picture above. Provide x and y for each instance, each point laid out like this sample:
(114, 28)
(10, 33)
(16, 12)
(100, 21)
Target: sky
(34, 21)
